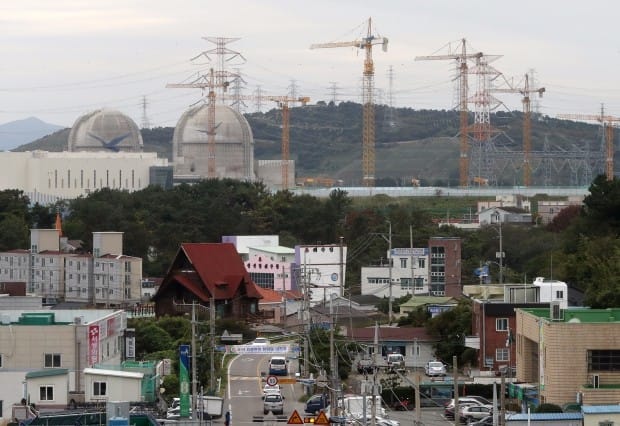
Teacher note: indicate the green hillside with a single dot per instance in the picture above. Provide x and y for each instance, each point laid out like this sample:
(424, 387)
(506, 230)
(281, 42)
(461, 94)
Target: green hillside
(325, 140)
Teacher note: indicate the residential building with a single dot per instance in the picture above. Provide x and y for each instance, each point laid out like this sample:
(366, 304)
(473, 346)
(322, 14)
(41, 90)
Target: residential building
(506, 200)
(407, 268)
(445, 266)
(243, 243)
(53, 340)
(434, 305)
(106, 278)
(504, 215)
(214, 276)
(571, 354)
(548, 210)
(320, 269)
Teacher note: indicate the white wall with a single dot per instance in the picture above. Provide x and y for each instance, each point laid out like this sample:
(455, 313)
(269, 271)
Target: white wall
(118, 388)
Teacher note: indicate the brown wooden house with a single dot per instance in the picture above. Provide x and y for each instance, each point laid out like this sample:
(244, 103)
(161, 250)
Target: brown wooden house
(201, 271)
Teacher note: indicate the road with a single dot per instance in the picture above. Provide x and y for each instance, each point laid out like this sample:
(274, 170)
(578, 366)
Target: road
(243, 397)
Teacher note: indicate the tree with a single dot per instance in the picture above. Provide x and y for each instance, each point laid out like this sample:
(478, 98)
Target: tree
(602, 206)
(450, 328)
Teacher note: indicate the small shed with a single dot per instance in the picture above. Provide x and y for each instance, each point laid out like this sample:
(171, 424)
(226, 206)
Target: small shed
(101, 385)
(48, 388)
(545, 419)
(596, 415)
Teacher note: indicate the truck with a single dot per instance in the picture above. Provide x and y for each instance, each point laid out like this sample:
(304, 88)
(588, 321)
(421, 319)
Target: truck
(353, 405)
(396, 362)
(211, 407)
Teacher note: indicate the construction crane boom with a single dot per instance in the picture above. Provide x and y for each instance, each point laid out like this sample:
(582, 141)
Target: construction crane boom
(461, 57)
(283, 103)
(368, 132)
(608, 124)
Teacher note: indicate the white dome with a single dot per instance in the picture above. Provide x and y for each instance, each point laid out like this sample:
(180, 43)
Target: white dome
(105, 129)
(234, 144)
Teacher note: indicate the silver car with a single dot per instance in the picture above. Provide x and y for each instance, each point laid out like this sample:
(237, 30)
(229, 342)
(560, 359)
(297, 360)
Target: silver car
(274, 403)
(435, 368)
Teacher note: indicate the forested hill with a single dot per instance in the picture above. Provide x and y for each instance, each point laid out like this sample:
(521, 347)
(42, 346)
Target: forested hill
(325, 140)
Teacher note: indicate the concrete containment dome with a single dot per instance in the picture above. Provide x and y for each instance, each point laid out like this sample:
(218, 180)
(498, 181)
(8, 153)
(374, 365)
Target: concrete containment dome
(105, 130)
(234, 145)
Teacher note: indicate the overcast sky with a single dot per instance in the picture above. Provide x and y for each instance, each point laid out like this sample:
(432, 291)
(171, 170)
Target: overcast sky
(63, 58)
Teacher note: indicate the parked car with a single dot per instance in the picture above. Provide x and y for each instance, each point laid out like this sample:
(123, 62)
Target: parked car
(316, 403)
(396, 362)
(448, 410)
(274, 403)
(480, 399)
(260, 341)
(475, 412)
(487, 421)
(435, 369)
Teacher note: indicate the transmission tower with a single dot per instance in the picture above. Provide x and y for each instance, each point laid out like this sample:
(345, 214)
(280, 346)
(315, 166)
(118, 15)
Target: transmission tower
(460, 55)
(333, 92)
(368, 134)
(293, 89)
(238, 85)
(145, 123)
(258, 98)
(224, 56)
(389, 111)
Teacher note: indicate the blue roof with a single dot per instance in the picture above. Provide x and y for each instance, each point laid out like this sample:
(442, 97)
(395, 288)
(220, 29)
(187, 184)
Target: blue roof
(544, 416)
(600, 409)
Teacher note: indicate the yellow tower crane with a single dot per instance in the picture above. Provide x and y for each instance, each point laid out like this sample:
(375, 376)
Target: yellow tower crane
(204, 82)
(283, 103)
(368, 133)
(608, 124)
(525, 90)
(461, 57)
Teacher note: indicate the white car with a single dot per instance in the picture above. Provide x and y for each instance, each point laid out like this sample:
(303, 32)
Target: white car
(260, 341)
(271, 390)
(435, 369)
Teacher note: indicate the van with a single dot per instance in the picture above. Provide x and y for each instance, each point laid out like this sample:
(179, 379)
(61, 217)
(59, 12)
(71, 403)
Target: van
(396, 362)
(316, 403)
(278, 366)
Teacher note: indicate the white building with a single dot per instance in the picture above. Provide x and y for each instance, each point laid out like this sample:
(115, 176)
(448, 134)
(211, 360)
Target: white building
(46, 177)
(409, 274)
(55, 339)
(552, 291)
(322, 270)
(112, 385)
(243, 242)
(270, 266)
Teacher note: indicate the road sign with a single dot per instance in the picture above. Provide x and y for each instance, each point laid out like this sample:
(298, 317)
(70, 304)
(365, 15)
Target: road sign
(321, 419)
(272, 380)
(287, 380)
(295, 419)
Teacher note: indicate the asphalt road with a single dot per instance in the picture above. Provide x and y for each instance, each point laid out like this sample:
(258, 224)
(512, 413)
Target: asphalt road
(245, 388)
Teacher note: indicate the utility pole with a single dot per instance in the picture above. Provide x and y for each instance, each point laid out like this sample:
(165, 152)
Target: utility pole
(212, 333)
(502, 402)
(501, 253)
(455, 376)
(390, 271)
(341, 268)
(332, 361)
(418, 405)
(194, 375)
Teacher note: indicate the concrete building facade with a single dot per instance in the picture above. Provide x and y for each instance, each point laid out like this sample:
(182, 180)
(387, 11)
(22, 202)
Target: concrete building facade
(56, 339)
(409, 274)
(571, 354)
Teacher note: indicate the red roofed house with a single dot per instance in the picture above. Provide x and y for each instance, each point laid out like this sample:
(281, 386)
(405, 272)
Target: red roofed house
(201, 271)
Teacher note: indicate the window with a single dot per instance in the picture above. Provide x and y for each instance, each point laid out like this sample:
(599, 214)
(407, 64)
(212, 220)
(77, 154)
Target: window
(421, 262)
(263, 279)
(46, 393)
(100, 389)
(52, 360)
(501, 324)
(501, 354)
(606, 423)
(604, 360)
(0, 360)
(403, 262)
(559, 294)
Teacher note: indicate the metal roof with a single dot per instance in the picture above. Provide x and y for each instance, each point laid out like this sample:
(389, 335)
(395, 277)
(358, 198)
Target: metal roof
(48, 372)
(544, 416)
(600, 409)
